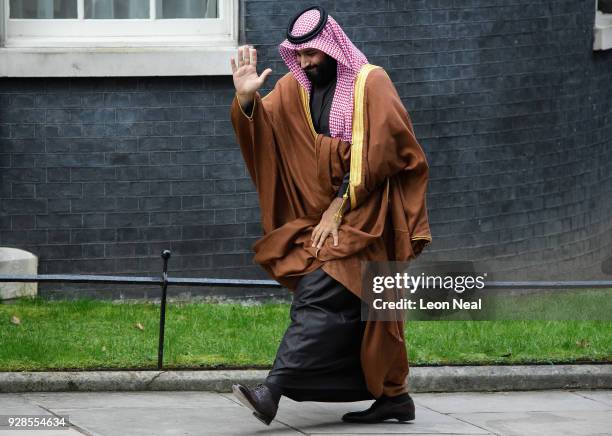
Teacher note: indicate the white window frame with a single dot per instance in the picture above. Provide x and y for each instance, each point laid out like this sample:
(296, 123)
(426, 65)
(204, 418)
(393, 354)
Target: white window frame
(120, 47)
(602, 32)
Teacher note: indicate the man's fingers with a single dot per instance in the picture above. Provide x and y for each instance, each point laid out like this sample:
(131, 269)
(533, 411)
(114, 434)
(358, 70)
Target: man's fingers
(240, 57)
(324, 236)
(254, 56)
(265, 74)
(335, 236)
(315, 241)
(247, 55)
(314, 232)
(313, 237)
(233, 64)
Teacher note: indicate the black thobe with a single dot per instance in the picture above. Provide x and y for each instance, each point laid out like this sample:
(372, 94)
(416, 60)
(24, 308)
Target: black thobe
(318, 358)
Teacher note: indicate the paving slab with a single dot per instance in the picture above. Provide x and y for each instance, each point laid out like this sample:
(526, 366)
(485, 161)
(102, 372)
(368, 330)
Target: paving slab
(534, 401)
(583, 423)
(604, 397)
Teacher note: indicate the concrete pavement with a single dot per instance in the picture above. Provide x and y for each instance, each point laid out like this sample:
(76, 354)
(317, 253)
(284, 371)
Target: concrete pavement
(579, 413)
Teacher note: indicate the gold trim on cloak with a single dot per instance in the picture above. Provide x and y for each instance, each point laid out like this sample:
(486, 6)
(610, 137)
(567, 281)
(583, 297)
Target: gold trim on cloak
(358, 133)
(306, 106)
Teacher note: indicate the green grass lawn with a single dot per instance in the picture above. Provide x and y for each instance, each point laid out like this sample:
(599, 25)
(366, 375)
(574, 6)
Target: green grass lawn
(90, 334)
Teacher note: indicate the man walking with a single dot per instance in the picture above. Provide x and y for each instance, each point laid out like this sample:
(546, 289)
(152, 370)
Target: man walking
(341, 179)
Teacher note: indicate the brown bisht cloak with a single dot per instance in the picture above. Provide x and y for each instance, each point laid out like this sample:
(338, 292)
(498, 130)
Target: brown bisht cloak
(297, 172)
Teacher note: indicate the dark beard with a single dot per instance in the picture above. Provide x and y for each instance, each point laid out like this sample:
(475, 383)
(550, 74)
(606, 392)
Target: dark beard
(323, 73)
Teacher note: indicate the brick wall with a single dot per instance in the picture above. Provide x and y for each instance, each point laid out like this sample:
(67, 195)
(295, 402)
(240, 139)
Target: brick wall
(510, 103)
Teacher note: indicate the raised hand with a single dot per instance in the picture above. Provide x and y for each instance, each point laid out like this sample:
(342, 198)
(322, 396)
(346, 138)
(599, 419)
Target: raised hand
(246, 80)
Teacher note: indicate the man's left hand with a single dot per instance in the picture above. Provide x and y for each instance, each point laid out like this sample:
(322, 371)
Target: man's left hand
(327, 225)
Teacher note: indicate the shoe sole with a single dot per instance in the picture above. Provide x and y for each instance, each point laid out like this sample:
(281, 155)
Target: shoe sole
(402, 417)
(245, 401)
(378, 421)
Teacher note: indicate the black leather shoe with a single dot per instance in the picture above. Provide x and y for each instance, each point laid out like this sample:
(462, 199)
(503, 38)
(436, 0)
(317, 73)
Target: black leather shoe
(381, 410)
(259, 400)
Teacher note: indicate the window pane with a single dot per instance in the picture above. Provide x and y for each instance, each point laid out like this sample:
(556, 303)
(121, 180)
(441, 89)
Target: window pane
(187, 9)
(109, 9)
(43, 8)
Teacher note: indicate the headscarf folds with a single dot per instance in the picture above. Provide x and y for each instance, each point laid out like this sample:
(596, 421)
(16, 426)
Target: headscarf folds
(333, 41)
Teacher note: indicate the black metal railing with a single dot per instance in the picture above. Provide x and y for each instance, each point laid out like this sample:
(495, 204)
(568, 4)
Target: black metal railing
(164, 281)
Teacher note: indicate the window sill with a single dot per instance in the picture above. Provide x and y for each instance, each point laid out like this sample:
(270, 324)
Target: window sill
(602, 33)
(115, 61)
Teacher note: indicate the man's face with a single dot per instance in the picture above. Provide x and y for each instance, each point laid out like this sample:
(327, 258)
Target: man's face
(318, 66)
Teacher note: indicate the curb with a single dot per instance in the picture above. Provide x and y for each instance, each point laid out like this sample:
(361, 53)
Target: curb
(421, 379)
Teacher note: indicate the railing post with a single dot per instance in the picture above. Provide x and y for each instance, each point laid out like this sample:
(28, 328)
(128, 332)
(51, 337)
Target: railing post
(162, 312)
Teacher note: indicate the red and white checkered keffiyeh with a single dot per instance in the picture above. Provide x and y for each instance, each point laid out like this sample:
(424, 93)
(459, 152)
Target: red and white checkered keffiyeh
(333, 41)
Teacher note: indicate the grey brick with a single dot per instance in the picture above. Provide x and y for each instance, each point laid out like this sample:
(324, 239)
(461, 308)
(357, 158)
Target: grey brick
(245, 185)
(100, 115)
(5, 222)
(128, 234)
(161, 114)
(59, 190)
(23, 131)
(70, 130)
(93, 251)
(93, 100)
(160, 203)
(128, 203)
(194, 157)
(126, 189)
(65, 221)
(91, 174)
(253, 229)
(34, 237)
(58, 236)
(13, 206)
(225, 216)
(23, 190)
(164, 233)
(223, 171)
(21, 145)
(116, 99)
(223, 201)
(161, 157)
(128, 158)
(224, 186)
(127, 219)
(192, 172)
(191, 98)
(71, 160)
(23, 222)
(151, 99)
(93, 189)
(192, 217)
(158, 144)
(93, 204)
(15, 115)
(128, 173)
(193, 232)
(244, 215)
(159, 172)
(192, 247)
(191, 202)
(58, 205)
(79, 236)
(159, 188)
